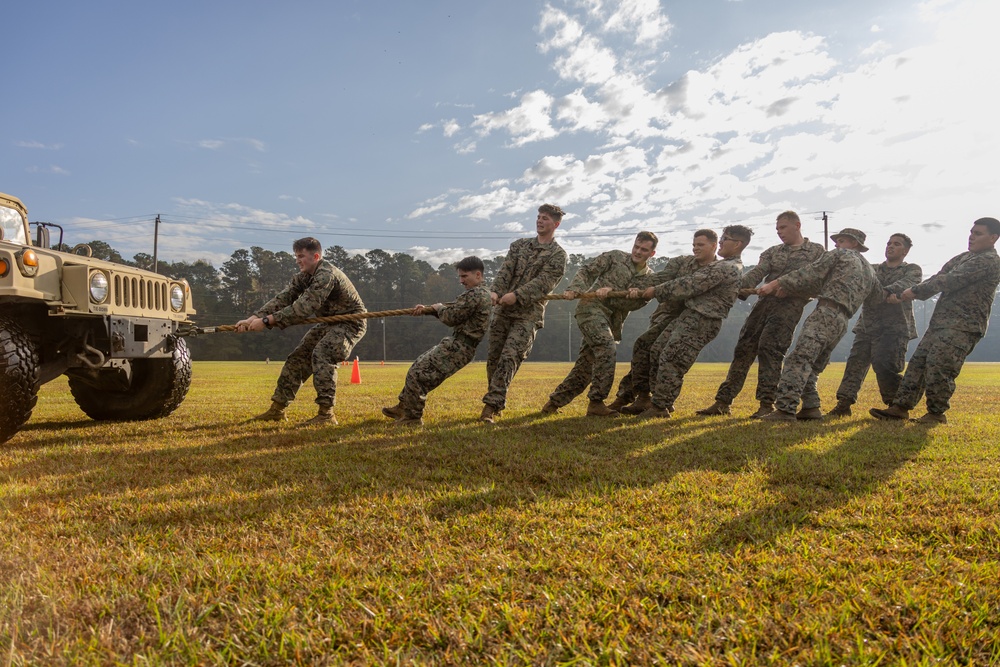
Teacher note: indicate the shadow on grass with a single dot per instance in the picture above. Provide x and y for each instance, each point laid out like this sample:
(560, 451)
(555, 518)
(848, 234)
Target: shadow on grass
(175, 473)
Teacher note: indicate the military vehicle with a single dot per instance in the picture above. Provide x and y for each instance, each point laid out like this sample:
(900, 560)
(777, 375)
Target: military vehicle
(114, 330)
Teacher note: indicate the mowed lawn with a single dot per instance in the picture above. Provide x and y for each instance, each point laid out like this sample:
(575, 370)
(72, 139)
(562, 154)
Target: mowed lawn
(203, 538)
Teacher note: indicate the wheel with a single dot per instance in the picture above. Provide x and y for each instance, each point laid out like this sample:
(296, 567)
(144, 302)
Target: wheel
(157, 388)
(18, 378)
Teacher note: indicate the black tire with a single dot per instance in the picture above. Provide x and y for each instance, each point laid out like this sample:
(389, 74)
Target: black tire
(158, 387)
(18, 378)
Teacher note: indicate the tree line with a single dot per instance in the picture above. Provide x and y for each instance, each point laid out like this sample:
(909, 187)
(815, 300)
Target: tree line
(390, 281)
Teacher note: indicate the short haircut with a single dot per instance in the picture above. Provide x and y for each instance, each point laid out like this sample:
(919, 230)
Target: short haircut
(739, 232)
(789, 215)
(709, 234)
(309, 244)
(991, 224)
(470, 263)
(907, 241)
(552, 211)
(642, 237)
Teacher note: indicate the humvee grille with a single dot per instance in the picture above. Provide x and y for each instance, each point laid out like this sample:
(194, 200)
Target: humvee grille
(136, 292)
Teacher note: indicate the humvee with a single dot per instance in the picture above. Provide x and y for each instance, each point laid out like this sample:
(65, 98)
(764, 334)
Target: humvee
(114, 330)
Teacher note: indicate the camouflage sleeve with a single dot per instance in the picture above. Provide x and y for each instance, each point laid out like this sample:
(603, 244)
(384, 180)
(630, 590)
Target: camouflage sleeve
(284, 298)
(589, 272)
(502, 280)
(541, 285)
(956, 274)
(310, 301)
(808, 281)
(668, 272)
(691, 285)
(753, 277)
(911, 276)
(461, 309)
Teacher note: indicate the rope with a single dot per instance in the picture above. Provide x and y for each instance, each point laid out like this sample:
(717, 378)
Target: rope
(355, 317)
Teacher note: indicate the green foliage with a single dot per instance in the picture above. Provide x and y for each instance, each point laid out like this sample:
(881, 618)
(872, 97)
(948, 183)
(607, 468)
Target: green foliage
(204, 538)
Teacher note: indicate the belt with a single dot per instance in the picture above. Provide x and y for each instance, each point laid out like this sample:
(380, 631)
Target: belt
(466, 340)
(829, 303)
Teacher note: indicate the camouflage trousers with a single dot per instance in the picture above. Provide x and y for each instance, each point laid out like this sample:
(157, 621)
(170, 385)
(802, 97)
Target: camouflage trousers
(636, 381)
(431, 369)
(674, 353)
(765, 336)
(934, 367)
(509, 345)
(821, 332)
(595, 366)
(317, 354)
(883, 352)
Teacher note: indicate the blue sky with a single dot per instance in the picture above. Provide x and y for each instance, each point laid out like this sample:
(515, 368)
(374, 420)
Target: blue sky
(437, 128)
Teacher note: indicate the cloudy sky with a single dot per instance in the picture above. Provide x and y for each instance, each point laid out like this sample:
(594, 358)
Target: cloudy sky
(437, 128)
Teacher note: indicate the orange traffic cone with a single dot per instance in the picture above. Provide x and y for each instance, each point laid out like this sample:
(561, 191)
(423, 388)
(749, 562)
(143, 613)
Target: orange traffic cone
(356, 373)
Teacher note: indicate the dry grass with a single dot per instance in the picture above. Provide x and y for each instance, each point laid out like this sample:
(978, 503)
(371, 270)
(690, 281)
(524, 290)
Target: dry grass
(203, 538)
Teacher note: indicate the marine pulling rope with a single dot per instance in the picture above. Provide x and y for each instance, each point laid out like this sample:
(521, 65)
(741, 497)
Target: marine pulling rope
(189, 329)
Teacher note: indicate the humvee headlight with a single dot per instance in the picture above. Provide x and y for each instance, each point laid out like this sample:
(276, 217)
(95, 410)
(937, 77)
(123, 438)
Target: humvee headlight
(176, 297)
(98, 287)
(27, 262)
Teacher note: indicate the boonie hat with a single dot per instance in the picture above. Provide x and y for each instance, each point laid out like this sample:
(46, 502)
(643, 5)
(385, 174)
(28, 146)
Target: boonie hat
(855, 234)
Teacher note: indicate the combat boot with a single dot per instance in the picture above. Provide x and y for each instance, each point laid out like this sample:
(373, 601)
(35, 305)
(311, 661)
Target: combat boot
(275, 413)
(843, 409)
(395, 412)
(407, 420)
(932, 418)
(489, 414)
(618, 404)
(892, 413)
(324, 416)
(550, 408)
(642, 403)
(653, 412)
(806, 414)
(778, 416)
(598, 409)
(717, 408)
(764, 410)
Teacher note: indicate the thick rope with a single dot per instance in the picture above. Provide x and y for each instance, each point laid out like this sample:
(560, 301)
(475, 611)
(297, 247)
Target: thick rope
(354, 317)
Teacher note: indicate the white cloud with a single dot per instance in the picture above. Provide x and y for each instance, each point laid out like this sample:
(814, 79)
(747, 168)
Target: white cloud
(775, 123)
(38, 144)
(51, 169)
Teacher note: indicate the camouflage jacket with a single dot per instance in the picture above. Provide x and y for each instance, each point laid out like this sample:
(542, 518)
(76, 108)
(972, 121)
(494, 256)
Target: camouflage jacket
(674, 268)
(531, 270)
(327, 291)
(710, 291)
(885, 317)
(612, 269)
(840, 275)
(779, 260)
(469, 314)
(968, 284)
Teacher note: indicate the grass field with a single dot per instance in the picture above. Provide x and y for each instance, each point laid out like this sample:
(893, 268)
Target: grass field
(562, 539)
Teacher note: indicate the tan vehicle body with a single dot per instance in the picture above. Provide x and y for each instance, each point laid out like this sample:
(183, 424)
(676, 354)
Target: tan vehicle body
(96, 321)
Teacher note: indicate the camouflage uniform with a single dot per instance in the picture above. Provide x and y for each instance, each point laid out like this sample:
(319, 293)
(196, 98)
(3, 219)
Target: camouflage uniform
(637, 379)
(843, 280)
(707, 295)
(469, 314)
(600, 322)
(327, 291)
(769, 328)
(531, 270)
(967, 284)
(880, 337)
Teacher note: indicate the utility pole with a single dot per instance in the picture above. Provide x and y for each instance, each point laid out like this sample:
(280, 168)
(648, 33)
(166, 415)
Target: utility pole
(826, 231)
(156, 239)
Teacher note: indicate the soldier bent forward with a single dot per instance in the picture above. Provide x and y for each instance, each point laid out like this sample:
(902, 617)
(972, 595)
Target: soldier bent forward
(320, 289)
